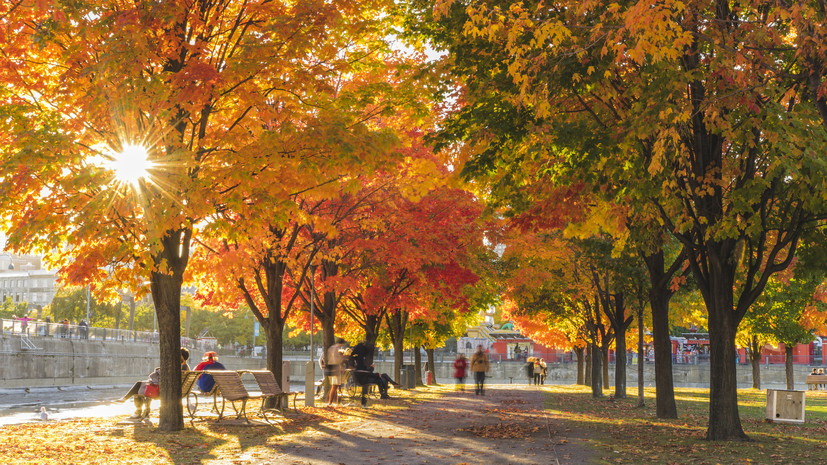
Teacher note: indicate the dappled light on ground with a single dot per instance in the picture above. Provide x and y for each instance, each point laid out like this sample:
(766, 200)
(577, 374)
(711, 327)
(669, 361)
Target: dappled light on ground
(623, 433)
(430, 425)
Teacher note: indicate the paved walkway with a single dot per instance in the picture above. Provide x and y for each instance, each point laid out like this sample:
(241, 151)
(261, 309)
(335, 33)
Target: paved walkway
(506, 426)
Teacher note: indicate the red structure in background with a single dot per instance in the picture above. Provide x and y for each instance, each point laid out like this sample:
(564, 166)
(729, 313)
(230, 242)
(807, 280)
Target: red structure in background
(814, 353)
(803, 354)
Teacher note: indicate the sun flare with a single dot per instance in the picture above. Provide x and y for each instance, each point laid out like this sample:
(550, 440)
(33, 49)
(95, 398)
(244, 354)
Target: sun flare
(131, 164)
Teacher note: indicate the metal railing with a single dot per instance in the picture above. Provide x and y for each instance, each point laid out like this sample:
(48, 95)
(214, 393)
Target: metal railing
(33, 328)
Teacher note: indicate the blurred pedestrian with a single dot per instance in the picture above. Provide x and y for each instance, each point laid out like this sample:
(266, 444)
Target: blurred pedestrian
(479, 365)
(460, 367)
(529, 369)
(334, 370)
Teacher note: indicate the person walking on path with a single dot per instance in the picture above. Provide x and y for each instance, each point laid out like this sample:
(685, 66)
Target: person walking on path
(334, 370)
(479, 365)
(529, 369)
(460, 366)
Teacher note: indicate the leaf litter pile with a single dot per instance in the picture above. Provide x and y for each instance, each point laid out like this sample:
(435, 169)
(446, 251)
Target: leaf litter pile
(531, 421)
(503, 430)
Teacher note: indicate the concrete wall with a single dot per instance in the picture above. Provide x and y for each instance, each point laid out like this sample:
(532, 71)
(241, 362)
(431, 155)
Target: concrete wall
(66, 362)
(772, 376)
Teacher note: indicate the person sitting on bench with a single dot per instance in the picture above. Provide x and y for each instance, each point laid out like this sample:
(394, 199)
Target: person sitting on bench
(363, 354)
(210, 362)
(138, 390)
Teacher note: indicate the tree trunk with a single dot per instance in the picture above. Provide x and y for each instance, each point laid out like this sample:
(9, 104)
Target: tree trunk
(372, 324)
(396, 326)
(597, 381)
(398, 360)
(275, 357)
(724, 419)
(755, 350)
(417, 365)
(166, 295)
(327, 318)
(641, 401)
(587, 381)
(788, 365)
(620, 347)
(579, 352)
(659, 295)
(604, 354)
(431, 364)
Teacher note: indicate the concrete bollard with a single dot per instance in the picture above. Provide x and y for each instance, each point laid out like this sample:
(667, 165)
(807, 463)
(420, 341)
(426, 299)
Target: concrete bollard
(309, 384)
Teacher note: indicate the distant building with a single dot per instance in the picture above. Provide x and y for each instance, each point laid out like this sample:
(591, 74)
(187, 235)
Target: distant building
(23, 280)
(503, 343)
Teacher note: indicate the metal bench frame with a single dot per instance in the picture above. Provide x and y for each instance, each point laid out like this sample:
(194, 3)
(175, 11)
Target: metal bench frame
(231, 390)
(269, 388)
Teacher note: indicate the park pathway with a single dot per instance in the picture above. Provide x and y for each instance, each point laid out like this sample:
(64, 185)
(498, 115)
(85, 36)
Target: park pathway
(506, 426)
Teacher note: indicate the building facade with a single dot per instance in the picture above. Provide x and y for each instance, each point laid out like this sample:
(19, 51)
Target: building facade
(23, 280)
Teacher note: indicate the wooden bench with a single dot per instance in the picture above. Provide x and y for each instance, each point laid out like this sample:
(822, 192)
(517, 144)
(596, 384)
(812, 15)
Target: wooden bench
(230, 389)
(269, 388)
(816, 381)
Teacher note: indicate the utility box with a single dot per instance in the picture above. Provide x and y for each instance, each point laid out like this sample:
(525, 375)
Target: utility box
(407, 377)
(785, 406)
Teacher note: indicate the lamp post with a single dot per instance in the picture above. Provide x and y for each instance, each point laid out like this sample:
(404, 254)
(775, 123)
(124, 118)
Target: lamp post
(310, 368)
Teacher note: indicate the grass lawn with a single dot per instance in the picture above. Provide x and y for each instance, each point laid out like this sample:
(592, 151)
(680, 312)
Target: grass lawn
(623, 433)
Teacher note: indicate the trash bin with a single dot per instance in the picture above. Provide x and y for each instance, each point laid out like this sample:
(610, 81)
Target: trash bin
(406, 377)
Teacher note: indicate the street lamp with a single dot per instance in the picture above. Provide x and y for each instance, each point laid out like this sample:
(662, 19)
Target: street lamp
(310, 368)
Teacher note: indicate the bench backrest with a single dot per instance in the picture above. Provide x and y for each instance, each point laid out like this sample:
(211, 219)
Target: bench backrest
(229, 384)
(267, 382)
(816, 379)
(188, 379)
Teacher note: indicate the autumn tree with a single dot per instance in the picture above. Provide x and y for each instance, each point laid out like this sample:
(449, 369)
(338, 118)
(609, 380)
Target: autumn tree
(791, 309)
(698, 96)
(178, 87)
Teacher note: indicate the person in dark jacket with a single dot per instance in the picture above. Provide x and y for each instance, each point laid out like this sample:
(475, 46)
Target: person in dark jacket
(529, 369)
(362, 354)
(479, 366)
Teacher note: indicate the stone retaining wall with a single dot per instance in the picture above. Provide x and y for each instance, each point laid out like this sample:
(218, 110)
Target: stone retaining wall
(66, 362)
